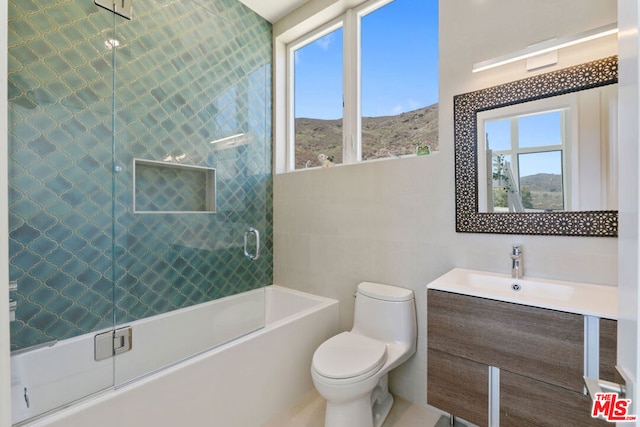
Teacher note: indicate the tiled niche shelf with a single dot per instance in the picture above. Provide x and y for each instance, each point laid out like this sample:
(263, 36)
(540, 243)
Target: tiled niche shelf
(163, 187)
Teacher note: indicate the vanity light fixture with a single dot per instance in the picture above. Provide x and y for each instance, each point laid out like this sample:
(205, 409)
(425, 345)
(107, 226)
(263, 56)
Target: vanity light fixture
(547, 46)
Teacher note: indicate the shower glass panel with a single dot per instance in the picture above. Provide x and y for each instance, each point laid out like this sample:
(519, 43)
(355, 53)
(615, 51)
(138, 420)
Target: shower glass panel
(192, 120)
(60, 200)
(183, 91)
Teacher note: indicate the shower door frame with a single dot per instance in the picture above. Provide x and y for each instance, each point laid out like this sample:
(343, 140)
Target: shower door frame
(5, 367)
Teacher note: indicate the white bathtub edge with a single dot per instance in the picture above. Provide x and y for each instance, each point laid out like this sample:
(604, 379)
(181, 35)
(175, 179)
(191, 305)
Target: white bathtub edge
(76, 413)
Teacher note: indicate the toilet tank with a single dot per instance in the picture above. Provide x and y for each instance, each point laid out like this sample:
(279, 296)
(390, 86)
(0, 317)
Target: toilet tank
(386, 313)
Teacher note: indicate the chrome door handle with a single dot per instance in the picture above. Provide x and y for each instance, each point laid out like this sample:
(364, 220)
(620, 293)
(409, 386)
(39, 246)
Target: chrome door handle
(596, 385)
(255, 232)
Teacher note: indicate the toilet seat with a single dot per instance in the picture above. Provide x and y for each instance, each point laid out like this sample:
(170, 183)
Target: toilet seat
(349, 355)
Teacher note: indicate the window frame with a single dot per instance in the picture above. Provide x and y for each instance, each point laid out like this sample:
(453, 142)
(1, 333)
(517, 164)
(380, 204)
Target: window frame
(350, 20)
(567, 105)
(290, 81)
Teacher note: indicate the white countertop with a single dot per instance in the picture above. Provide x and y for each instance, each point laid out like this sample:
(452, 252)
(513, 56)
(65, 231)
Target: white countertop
(573, 297)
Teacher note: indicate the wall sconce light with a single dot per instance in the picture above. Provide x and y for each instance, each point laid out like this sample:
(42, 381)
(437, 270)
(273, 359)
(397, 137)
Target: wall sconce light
(547, 46)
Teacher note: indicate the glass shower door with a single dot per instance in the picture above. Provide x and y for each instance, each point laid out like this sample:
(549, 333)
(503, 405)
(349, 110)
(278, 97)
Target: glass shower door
(193, 175)
(60, 200)
(140, 159)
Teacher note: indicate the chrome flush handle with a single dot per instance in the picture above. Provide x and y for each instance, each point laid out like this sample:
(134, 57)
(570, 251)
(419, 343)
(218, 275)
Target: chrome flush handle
(256, 233)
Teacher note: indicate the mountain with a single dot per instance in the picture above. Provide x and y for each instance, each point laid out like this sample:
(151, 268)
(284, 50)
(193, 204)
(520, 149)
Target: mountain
(542, 182)
(383, 136)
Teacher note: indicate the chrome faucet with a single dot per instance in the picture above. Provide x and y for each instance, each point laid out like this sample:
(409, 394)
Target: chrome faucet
(517, 267)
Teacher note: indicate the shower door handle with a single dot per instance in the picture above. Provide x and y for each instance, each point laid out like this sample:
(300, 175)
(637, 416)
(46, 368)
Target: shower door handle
(255, 255)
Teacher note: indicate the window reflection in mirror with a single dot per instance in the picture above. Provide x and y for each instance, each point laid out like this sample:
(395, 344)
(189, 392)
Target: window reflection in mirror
(525, 152)
(555, 154)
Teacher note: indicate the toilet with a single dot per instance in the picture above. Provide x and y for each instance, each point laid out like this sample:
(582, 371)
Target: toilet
(350, 370)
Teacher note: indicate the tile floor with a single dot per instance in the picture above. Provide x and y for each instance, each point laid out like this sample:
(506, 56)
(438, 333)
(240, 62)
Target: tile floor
(309, 412)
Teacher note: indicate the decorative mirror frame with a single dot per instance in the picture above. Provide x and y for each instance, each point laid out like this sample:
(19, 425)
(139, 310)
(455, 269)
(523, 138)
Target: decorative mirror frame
(465, 109)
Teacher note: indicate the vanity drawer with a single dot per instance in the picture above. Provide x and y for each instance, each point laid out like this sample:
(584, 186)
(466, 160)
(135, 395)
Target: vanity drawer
(525, 402)
(458, 386)
(542, 344)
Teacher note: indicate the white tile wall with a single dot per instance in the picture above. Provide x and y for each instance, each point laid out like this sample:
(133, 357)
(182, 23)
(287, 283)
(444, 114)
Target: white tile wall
(392, 221)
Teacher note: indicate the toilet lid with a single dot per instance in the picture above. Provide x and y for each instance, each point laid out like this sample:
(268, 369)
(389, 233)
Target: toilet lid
(349, 355)
(385, 292)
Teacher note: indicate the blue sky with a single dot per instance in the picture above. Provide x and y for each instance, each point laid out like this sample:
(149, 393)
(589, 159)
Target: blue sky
(399, 64)
(534, 131)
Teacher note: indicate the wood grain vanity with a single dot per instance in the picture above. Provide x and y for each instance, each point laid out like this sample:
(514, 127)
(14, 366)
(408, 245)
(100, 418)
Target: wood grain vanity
(491, 360)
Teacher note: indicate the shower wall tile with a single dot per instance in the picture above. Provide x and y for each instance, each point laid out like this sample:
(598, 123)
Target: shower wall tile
(186, 73)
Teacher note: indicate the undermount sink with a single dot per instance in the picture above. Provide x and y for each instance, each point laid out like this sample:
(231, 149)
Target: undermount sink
(573, 297)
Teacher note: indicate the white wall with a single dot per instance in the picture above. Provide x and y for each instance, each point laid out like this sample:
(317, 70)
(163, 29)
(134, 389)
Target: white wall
(628, 301)
(392, 221)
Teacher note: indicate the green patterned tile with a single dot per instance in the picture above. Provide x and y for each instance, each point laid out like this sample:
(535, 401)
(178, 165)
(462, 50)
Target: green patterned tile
(184, 78)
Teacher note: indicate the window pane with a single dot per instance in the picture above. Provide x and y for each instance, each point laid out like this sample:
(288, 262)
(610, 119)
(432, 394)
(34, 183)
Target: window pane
(498, 135)
(541, 180)
(540, 130)
(502, 181)
(399, 78)
(318, 101)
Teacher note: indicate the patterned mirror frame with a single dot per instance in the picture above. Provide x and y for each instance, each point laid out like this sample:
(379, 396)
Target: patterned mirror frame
(466, 108)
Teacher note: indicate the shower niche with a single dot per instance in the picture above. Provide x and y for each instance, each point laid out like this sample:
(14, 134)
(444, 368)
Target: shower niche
(163, 187)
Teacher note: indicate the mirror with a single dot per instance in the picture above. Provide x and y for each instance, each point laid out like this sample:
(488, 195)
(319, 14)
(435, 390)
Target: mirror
(552, 154)
(541, 102)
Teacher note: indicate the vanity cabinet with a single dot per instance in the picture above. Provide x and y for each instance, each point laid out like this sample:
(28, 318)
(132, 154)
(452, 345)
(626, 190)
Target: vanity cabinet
(528, 402)
(536, 355)
(459, 386)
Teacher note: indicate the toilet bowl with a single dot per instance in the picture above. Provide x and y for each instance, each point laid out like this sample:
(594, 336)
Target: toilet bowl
(350, 370)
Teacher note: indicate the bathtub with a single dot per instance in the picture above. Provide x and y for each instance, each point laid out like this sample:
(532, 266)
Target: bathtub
(243, 382)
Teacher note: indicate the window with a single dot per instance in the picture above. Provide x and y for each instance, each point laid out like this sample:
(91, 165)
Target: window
(364, 86)
(526, 156)
(549, 154)
(318, 100)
